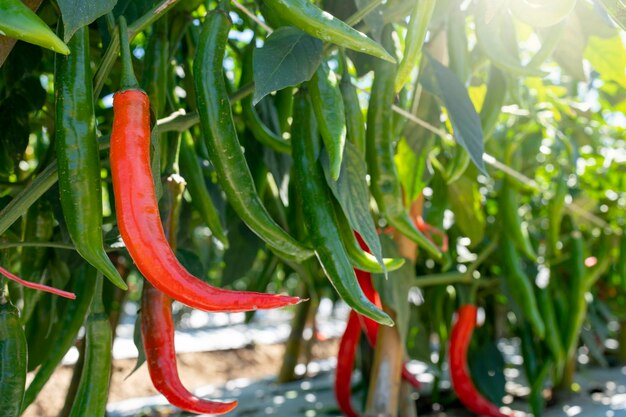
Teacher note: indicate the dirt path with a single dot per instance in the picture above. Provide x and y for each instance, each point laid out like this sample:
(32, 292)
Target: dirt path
(196, 369)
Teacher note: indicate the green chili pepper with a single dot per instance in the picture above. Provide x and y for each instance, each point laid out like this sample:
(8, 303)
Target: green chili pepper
(555, 215)
(535, 373)
(552, 340)
(72, 318)
(520, 286)
(415, 36)
(39, 228)
(359, 258)
(355, 123)
(221, 139)
(512, 223)
(200, 198)
(311, 19)
(494, 99)
(604, 260)
(621, 265)
(13, 360)
(19, 22)
(385, 185)
(284, 102)
(78, 155)
(259, 130)
(154, 76)
(93, 389)
(331, 118)
(576, 290)
(318, 211)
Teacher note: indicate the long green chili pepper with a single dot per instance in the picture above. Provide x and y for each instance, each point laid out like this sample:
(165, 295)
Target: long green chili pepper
(517, 232)
(385, 185)
(494, 99)
(355, 123)
(154, 76)
(576, 289)
(318, 210)
(73, 316)
(621, 262)
(221, 139)
(311, 19)
(329, 111)
(415, 36)
(359, 258)
(93, 389)
(555, 215)
(78, 156)
(200, 198)
(259, 130)
(19, 22)
(604, 259)
(552, 340)
(13, 360)
(535, 373)
(520, 286)
(284, 102)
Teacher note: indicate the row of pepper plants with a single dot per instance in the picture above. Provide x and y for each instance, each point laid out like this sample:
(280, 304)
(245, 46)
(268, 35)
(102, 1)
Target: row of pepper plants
(423, 161)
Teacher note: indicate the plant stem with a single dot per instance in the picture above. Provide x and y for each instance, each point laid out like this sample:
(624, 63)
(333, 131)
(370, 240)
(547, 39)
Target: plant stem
(361, 13)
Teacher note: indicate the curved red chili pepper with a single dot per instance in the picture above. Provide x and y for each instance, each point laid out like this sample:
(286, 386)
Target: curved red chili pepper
(345, 362)
(140, 224)
(157, 333)
(462, 383)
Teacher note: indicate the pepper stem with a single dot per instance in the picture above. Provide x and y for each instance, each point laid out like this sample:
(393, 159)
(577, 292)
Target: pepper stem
(128, 80)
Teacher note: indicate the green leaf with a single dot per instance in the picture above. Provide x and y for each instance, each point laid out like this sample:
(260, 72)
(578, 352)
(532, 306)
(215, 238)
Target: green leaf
(569, 54)
(78, 13)
(141, 355)
(191, 262)
(464, 199)
(411, 170)
(487, 369)
(352, 193)
(443, 83)
(288, 58)
(608, 57)
(617, 10)
(243, 250)
(329, 112)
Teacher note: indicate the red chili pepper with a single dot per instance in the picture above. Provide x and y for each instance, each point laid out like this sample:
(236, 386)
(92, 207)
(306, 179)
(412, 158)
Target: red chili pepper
(345, 362)
(138, 213)
(462, 383)
(157, 332)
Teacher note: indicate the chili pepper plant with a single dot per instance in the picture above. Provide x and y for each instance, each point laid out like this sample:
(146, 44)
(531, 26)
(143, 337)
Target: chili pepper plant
(452, 171)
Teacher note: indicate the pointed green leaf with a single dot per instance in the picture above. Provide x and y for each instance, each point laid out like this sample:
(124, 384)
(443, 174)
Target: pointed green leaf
(288, 58)
(443, 83)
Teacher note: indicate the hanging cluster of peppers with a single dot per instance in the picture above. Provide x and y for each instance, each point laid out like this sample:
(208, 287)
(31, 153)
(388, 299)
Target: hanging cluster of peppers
(304, 169)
